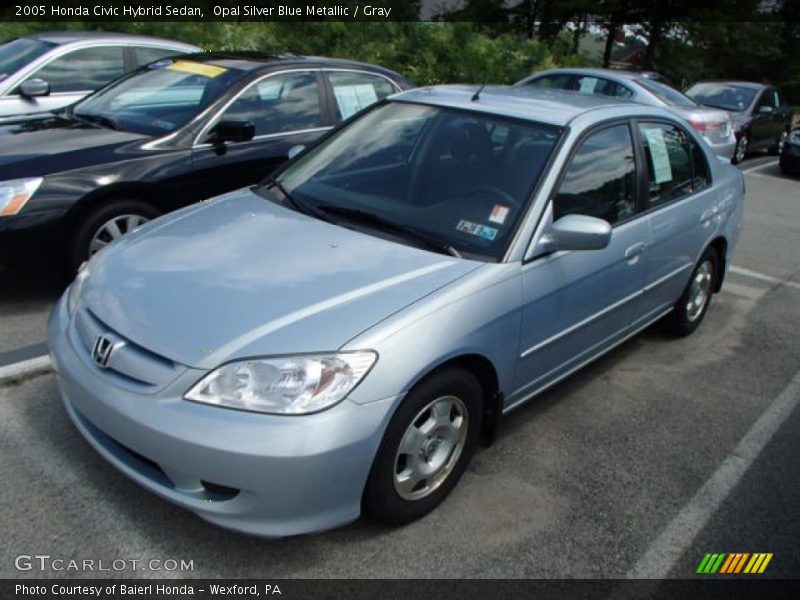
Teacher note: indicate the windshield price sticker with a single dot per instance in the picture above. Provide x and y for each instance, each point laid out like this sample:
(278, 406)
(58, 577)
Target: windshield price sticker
(499, 214)
(352, 98)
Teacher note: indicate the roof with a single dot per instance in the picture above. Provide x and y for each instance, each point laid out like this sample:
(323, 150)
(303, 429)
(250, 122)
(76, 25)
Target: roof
(66, 37)
(554, 107)
(596, 71)
(249, 61)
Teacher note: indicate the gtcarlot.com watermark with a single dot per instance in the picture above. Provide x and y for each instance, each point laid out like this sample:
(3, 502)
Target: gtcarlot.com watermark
(46, 562)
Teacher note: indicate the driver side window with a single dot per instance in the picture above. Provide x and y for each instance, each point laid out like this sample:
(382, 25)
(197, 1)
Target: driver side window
(601, 178)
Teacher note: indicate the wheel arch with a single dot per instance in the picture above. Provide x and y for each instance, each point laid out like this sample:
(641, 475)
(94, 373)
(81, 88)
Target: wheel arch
(720, 244)
(144, 192)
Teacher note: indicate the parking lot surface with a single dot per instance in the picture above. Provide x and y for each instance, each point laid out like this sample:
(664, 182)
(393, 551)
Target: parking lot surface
(605, 475)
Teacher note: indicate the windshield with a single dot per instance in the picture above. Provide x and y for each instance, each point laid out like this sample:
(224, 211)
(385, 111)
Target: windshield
(160, 98)
(17, 53)
(667, 94)
(722, 95)
(460, 178)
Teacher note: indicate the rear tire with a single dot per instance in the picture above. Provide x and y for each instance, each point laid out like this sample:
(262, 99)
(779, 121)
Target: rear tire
(691, 308)
(105, 223)
(425, 448)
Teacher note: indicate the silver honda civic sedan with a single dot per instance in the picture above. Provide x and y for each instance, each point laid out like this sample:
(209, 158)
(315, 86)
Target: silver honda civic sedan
(341, 337)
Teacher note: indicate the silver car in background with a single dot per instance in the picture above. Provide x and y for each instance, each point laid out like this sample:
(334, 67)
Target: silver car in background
(342, 336)
(713, 124)
(46, 71)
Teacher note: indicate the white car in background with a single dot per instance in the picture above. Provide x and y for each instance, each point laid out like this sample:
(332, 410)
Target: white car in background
(714, 125)
(46, 71)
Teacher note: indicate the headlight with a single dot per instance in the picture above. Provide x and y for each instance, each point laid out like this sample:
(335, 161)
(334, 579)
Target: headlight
(14, 194)
(794, 137)
(76, 289)
(291, 385)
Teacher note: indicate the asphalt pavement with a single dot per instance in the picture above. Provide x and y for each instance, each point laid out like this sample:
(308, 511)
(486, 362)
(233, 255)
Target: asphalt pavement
(662, 451)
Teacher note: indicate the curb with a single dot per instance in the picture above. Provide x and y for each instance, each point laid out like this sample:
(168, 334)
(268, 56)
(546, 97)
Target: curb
(26, 368)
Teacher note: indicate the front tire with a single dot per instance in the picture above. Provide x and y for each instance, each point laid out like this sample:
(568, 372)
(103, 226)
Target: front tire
(693, 304)
(426, 447)
(103, 225)
(778, 147)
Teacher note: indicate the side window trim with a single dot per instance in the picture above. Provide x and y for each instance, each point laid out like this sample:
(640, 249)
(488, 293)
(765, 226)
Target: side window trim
(638, 164)
(644, 190)
(198, 143)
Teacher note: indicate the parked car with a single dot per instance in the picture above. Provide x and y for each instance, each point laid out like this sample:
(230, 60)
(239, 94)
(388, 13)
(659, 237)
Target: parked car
(46, 71)
(761, 118)
(789, 161)
(169, 134)
(343, 335)
(648, 88)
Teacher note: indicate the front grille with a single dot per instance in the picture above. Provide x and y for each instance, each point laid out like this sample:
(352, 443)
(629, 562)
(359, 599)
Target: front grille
(130, 365)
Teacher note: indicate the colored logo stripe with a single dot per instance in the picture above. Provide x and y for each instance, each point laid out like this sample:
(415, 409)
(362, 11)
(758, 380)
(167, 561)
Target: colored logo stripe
(734, 562)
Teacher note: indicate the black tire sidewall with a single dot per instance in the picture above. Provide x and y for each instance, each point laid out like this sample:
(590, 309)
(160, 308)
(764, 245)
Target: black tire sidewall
(88, 222)
(381, 501)
(679, 321)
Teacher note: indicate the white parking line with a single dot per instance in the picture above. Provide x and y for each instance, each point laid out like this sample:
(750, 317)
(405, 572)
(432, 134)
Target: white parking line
(763, 277)
(40, 364)
(678, 536)
(772, 163)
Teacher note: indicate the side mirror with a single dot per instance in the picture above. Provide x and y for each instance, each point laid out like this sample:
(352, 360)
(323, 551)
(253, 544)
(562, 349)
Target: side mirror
(295, 150)
(232, 131)
(576, 232)
(764, 110)
(32, 88)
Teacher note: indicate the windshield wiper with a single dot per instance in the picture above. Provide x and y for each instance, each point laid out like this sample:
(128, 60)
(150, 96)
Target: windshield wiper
(101, 120)
(368, 218)
(303, 207)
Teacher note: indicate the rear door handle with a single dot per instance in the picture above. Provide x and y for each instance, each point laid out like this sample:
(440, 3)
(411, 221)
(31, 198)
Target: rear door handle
(634, 250)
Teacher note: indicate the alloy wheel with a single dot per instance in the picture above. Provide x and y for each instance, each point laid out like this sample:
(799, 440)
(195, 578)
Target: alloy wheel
(114, 228)
(699, 291)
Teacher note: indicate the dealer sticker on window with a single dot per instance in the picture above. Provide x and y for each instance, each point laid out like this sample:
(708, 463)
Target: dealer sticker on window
(196, 68)
(487, 233)
(499, 214)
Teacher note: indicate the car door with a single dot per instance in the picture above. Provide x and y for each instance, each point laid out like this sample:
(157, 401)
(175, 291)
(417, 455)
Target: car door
(352, 91)
(73, 75)
(578, 303)
(765, 127)
(680, 208)
(287, 109)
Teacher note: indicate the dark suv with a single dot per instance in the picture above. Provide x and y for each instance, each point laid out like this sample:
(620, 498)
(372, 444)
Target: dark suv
(761, 118)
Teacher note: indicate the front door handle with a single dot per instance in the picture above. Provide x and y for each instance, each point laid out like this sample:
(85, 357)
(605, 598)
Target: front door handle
(634, 250)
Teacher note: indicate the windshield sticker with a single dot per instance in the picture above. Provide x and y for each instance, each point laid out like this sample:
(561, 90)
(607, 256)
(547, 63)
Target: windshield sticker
(487, 233)
(662, 171)
(587, 85)
(195, 68)
(499, 214)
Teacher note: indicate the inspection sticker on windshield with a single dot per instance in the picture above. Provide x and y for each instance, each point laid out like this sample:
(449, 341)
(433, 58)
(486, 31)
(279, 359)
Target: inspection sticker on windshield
(487, 233)
(499, 214)
(196, 68)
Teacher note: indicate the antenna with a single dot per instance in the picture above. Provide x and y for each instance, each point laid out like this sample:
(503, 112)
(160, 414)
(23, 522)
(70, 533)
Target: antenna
(477, 95)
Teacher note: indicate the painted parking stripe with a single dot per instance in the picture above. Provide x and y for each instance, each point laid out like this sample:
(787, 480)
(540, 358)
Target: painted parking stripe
(763, 277)
(666, 551)
(32, 366)
(20, 354)
(771, 163)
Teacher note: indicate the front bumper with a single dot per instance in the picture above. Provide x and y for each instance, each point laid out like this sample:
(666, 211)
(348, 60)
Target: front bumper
(260, 474)
(724, 149)
(789, 161)
(30, 237)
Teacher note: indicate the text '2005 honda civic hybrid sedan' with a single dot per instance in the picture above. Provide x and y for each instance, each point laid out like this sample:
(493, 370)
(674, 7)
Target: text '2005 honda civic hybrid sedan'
(340, 337)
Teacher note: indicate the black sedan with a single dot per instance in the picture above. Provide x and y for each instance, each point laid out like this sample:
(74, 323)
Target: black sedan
(761, 118)
(174, 132)
(789, 161)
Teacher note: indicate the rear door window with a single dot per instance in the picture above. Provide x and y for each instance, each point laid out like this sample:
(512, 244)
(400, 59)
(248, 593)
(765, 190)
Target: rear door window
(552, 82)
(353, 91)
(145, 55)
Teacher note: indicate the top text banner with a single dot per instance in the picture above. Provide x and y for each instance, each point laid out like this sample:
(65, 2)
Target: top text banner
(221, 10)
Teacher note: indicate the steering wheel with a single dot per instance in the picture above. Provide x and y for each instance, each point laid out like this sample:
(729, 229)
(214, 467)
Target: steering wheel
(492, 191)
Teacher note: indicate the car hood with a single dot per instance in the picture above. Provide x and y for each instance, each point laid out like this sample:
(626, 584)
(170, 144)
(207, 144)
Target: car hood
(50, 142)
(242, 276)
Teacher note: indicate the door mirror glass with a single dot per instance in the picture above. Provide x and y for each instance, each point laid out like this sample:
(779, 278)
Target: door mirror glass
(295, 150)
(33, 88)
(576, 232)
(232, 131)
(764, 109)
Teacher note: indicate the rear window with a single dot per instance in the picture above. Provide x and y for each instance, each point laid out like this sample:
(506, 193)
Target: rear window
(667, 94)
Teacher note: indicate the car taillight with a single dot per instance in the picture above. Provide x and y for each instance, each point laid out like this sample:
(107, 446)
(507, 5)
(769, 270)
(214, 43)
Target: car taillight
(703, 126)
